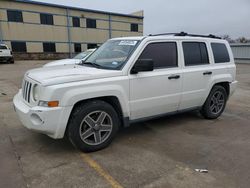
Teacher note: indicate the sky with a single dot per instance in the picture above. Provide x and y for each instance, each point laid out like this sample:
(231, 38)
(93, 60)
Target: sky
(219, 17)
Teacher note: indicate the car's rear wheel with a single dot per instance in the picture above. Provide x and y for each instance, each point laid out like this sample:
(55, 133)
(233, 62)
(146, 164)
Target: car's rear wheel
(215, 103)
(11, 61)
(93, 125)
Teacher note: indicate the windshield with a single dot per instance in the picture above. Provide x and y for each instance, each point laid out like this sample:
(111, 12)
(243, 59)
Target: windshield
(82, 55)
(112, 54)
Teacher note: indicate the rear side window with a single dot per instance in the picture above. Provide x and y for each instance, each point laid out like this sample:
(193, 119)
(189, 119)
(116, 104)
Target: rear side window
(3, 47)
(195, 53)
(220, 53)
(164, 54)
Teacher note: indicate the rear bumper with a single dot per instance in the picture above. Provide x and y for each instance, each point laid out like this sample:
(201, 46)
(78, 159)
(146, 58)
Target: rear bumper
(49, 121)
(233, 86)
(5, 58)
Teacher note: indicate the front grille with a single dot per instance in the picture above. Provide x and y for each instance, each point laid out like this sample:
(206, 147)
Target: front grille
(26, 89)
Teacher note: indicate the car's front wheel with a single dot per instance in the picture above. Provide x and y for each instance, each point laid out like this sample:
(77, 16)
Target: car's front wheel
(93, 125)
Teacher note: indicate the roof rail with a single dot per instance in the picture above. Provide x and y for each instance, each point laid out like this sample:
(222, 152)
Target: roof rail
(186, 34)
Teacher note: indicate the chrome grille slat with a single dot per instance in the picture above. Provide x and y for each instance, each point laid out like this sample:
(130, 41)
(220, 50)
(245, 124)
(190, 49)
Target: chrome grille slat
(29, 92)
(26, 90)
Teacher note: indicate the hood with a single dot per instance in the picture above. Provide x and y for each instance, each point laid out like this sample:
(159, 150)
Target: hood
(69, 73)
(63, 62)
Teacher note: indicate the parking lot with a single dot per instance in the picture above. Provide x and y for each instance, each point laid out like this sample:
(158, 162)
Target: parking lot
(157, 153)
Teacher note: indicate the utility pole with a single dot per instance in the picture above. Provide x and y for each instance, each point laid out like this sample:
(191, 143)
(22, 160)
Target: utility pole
(69, 34)
(110, 27)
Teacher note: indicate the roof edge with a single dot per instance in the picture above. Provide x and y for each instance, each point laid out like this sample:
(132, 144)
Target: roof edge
(76, 8)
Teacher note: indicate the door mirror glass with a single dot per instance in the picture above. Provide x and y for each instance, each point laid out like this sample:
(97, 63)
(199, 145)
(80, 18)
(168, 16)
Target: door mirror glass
(142, 65)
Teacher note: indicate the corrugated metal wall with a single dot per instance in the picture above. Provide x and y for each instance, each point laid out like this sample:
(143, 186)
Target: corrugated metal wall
(241, 51)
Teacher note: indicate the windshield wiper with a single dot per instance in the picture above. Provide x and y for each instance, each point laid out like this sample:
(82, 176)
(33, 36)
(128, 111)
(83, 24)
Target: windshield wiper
(90, 63)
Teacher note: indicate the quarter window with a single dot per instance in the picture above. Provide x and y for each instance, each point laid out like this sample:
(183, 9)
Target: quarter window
(46, 19)
(220, 53)
(195, 53)
(164, 54)
(49, 47)
(18, 46)
(76, 22)
(134, 27)
(91, 23)
(14, 16)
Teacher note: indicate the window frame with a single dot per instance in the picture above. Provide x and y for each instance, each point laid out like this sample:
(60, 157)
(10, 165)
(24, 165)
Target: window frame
(74, 18)
(229, 60)
(165, 67)
(48, 51)
(192, 41)
(18, 51)
(9, 16)
(88, 23)
(47, 15)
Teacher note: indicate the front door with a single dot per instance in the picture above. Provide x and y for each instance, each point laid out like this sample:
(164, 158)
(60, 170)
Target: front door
(156, 92)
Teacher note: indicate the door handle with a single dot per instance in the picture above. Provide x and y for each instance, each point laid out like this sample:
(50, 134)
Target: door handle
(207, 73)
(174, 77)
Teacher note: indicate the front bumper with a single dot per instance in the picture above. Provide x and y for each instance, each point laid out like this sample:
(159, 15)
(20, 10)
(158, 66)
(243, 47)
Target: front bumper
(233, 86)
(49, 121)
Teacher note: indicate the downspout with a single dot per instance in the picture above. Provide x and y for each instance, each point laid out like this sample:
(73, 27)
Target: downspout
(110, 27)
(1, 33)
(69, 35)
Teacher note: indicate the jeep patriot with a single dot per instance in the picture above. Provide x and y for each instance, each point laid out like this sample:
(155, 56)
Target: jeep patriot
(126, 80)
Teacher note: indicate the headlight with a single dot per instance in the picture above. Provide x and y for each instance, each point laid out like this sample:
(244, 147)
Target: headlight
(35, 92)
(48, 103)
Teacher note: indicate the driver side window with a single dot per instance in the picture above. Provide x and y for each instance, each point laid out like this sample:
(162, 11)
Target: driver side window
(164, 54)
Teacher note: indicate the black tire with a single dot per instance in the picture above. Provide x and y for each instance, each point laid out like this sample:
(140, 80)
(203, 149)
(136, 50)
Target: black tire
(211, 109)
(78, 124)
(11, 61)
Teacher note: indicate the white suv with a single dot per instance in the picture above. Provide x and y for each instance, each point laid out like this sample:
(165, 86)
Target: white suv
(5, 54)
(126, 80)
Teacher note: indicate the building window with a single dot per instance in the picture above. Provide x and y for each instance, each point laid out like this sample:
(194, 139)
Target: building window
(78, 47)
(18, 46)
(91, 46)
(76, 22)
(15, 16)
(164, 54)
(220, 53)
(91, 23)
(134, 27)
(49, 47)
(195, 53)
(46, 19)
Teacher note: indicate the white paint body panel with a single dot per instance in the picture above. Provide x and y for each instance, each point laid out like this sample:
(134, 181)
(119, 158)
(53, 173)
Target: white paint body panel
(5, 52)
(140, 95)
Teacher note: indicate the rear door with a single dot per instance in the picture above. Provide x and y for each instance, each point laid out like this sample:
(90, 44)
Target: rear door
(156, 92)
(197, 72)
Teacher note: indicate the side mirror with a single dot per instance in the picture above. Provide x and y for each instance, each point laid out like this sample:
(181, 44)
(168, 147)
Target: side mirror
(142, 65)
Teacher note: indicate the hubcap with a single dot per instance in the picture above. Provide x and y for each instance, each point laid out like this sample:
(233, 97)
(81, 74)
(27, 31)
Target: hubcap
(217, 102)
(96, 127)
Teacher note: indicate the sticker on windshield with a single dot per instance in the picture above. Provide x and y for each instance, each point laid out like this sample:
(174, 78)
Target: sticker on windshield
(114, 63)
(128, 43)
